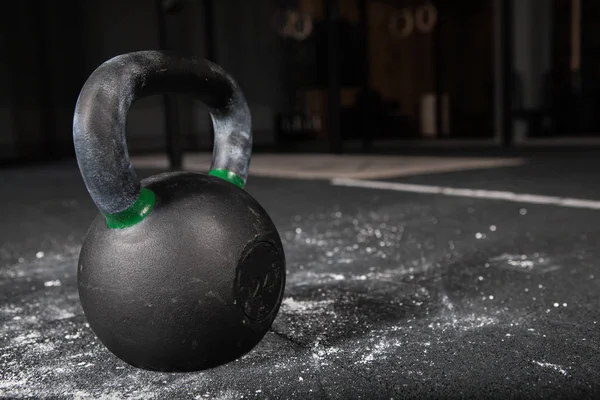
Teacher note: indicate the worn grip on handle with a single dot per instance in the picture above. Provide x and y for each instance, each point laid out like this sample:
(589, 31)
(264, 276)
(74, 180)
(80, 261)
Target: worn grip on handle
(100, 120)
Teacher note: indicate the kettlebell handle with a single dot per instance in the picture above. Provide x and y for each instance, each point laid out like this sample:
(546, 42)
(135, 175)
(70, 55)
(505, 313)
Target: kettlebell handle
(100, 119)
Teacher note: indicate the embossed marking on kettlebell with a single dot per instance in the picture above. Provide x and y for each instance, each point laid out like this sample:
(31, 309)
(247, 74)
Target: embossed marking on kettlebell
(259, 287)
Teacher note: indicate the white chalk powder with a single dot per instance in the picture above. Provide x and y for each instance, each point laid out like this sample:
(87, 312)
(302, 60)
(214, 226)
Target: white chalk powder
(556, 367)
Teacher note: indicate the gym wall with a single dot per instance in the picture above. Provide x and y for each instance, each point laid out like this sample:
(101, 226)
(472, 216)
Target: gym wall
(52, 48)
(39, 80)
(244, 49)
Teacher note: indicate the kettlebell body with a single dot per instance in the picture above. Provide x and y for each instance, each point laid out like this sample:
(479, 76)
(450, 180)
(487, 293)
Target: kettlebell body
(196, 284)
(181, 271)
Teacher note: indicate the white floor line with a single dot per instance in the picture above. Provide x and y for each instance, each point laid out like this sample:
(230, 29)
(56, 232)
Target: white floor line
(472, 193)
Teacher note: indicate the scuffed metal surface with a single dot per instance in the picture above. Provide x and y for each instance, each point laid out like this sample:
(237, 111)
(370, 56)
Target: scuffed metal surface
(100, 119)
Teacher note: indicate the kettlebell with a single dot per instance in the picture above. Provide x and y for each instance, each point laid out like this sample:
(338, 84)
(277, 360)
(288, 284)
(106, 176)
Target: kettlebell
(182, 271)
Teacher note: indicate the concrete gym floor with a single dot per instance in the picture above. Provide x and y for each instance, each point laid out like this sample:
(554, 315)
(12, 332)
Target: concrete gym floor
(400, 290)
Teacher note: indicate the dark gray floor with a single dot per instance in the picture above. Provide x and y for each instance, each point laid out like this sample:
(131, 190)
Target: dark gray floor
(389, 295)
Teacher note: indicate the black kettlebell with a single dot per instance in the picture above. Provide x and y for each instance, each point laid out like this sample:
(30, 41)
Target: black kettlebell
(182, 271)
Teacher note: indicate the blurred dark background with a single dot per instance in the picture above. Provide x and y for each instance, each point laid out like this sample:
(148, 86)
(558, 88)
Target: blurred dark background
(319, 75)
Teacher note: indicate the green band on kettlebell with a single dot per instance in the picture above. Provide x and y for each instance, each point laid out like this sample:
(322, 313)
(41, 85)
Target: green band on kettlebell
(228, 176)
(134, 214)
